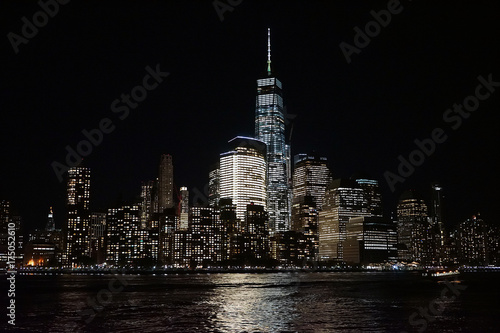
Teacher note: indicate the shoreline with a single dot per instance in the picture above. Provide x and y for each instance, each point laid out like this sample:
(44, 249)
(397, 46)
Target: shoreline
(172, 271)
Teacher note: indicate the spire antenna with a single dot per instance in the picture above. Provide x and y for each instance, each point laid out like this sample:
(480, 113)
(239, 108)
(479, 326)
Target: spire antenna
(269, 51)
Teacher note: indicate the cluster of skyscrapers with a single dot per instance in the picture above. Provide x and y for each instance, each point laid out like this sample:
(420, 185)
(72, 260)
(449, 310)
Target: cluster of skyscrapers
(262, 208)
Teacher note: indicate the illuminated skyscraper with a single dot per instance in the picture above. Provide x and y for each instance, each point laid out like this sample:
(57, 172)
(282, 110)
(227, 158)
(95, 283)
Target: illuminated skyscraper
(165, 183)
(147, 202)
(270, 128)
(206, 235)
(123, 225)
(78, 226)
(243, 174)
(184, 209)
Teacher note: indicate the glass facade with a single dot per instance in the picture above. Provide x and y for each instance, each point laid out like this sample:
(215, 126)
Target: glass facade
(344, 199)
(310, 178)
(370, 240)
(374, 197)
(243, 174)
(214, 185)
(270, 128)
(414, 230)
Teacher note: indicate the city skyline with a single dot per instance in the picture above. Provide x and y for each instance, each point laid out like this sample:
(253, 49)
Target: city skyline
(249, 166)
(121, 161)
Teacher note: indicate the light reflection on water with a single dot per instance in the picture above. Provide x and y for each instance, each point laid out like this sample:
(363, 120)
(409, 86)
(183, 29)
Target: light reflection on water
(278, 302)
(253, 302)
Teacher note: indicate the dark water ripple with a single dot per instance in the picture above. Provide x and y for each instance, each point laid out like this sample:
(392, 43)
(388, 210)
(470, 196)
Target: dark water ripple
(278, 302)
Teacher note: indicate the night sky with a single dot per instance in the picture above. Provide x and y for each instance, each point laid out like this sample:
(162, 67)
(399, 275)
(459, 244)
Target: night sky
(361, 115)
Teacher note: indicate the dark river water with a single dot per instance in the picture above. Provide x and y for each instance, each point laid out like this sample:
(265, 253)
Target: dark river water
(271, 302)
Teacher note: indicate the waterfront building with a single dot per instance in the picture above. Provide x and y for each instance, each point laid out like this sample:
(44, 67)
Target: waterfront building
(123, 224)
(78, 222)
(97, 238)
(477, 242)
(415, 232)
(344, 199)
(165, 183)
(370, 240)
(257, 231)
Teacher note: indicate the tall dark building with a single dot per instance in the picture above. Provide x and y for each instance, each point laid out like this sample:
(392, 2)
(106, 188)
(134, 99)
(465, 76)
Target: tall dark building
(257, 232)
(232, 231)
(438, 221)
(51, 226)
(97, 237)
(148, 189)
(165, 183)
(344, 199)
(169, 224)
(311, 176)
(214, 185)
(78, 224)
(305, 221)
(270, 128)
(415, 233)
(370, 240)
(373, 195)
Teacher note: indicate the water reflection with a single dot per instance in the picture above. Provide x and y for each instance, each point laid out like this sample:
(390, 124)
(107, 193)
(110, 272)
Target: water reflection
(255, 302)
(284, 302)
